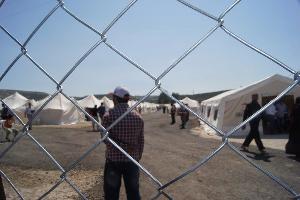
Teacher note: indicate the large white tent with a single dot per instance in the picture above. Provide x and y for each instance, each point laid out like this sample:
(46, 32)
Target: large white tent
(15, 100)
(225, 110)
(58, 111)
(89, 102)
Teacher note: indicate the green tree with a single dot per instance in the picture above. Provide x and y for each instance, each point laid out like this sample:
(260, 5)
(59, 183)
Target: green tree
(163, 98)
(176, 95)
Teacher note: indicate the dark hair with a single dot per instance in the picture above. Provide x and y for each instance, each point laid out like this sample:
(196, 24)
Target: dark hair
(9, 116)
(254, 96)
(122, 100)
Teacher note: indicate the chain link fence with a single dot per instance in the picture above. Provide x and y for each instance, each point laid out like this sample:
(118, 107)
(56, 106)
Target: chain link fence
(104, 40)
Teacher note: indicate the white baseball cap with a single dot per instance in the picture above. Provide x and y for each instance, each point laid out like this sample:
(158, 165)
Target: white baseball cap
(121, 92)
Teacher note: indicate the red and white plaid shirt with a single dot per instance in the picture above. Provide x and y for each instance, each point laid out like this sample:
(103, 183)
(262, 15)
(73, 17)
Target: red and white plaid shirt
(128, 133)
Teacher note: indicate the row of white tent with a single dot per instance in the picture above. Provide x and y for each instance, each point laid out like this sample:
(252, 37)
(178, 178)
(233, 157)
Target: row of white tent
(225, 111)
(62, 111)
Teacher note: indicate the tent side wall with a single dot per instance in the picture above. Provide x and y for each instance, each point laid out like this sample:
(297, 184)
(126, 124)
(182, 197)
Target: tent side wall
(235, 106)
(231, 105)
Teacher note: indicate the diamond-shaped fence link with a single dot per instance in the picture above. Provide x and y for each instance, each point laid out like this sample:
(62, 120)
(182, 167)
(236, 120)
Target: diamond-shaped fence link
(104, 35)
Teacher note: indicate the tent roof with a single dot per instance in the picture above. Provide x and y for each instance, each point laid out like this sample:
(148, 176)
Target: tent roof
(15, 100)
(89, 101)
(246, 89)
(107, 102)
(190, 102)
(59, 102)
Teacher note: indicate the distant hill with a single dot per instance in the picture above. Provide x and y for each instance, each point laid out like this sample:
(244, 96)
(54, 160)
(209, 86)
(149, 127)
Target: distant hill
(27, 94)
(153, 99)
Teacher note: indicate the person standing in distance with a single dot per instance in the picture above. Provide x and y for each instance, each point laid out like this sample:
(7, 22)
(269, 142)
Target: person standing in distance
(251, 108)
(128, 134)
(94, 114)
(184, 116)
(28, 114)
(101, 111)
(173, 113)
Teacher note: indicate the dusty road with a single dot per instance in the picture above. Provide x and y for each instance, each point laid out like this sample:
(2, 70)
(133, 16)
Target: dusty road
(168, 152)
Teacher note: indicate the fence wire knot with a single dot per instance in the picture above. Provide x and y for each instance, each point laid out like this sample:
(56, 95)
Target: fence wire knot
(158, 83)
(61, 3)
(103, 38)
(297, 77)
(23, 50)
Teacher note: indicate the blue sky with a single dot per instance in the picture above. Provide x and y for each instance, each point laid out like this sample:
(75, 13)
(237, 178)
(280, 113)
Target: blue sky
(154, 34)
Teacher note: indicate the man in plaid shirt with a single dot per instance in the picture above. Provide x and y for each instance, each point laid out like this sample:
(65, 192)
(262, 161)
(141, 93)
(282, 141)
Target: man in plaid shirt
(129, 134)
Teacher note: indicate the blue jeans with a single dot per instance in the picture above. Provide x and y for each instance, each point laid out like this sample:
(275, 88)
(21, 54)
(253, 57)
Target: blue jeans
(113, 173)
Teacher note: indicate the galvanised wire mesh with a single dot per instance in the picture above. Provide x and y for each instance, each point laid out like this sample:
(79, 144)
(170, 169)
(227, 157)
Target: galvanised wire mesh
(104, 40)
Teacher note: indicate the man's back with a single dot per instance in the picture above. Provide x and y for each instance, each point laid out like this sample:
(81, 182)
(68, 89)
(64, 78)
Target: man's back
(101, 110)
(173, 110)
(93, 111)
(128, 133)
(4, 112)
(251, 108)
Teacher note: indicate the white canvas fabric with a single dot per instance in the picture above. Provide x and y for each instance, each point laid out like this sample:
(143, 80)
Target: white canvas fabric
(89, 102)
(193, 104)
(107, 102)
(131, 103)
(22, 108)
(148, 107)
(15, 100)
(58, 111)
(225, 110)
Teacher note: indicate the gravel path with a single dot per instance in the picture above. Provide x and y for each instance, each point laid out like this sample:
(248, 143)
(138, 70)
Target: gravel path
(168, 152)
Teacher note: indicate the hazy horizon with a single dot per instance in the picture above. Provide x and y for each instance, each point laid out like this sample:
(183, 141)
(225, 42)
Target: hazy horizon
(154, 34)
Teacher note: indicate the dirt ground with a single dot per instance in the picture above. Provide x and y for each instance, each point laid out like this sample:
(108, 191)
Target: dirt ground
(169, 151)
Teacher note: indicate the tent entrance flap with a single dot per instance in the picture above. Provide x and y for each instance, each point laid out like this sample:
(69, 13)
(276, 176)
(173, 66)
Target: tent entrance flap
(273, 129)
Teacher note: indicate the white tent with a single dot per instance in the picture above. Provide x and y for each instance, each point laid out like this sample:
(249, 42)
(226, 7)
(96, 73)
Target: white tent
(58, 111)
(225, 110)
(15, 100)
(132, 102)
(148, 107)
(89, 101)
(22, 108)
(107, 102)
(193, 104)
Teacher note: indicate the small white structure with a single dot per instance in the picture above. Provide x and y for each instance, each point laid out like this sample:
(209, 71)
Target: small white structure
(148, 107)
(89, 102)
(58, 111)
(107, 102)
(193, 104)
(225, 111)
